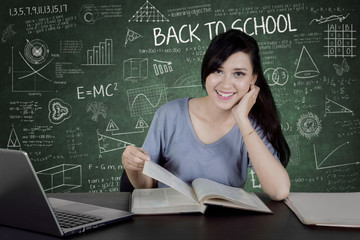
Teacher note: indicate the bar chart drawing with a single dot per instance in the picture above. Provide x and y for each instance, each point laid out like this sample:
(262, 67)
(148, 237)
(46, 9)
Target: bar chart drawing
(101, 54)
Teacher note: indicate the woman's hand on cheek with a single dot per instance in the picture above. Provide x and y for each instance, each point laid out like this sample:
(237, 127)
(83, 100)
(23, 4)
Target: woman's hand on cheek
(242, 109)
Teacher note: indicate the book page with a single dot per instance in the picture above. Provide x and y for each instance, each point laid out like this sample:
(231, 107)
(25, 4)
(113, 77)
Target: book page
(159, 173)
(327, 209)
(205, 189)
(162, 201)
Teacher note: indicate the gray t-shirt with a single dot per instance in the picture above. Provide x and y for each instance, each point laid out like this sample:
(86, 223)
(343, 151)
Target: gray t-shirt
(173, 143)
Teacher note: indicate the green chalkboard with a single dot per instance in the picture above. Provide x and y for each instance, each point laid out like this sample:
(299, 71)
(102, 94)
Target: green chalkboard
(81, 80)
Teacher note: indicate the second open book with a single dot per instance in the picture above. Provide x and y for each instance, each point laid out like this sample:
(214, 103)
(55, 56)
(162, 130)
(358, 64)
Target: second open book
(182, 198)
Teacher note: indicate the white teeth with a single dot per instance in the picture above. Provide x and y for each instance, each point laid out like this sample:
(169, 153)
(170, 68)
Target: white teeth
(225, 94)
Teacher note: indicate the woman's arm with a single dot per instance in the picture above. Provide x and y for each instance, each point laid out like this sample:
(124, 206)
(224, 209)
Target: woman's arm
(273, 177)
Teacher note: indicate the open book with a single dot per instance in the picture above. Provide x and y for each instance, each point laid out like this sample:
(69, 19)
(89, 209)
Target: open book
(182, 198)
(326, 209)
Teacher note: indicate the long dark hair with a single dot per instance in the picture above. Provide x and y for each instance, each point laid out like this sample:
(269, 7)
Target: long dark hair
(264, 110)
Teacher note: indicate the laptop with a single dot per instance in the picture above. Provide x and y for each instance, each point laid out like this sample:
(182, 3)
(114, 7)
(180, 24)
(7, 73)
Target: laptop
(24, 205)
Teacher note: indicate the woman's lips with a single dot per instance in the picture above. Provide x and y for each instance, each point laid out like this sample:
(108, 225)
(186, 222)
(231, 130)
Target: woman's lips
(224, 95)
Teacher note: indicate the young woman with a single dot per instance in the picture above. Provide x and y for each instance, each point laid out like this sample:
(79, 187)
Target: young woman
(219, 136)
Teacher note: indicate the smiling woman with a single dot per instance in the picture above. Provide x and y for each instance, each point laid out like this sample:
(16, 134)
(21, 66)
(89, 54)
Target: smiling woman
(221, 135)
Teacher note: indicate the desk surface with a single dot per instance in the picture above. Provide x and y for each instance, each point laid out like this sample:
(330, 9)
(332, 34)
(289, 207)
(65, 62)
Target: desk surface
(217, 223)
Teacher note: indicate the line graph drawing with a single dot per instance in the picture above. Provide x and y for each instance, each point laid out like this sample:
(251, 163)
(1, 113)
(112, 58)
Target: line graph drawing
(332, 107)
(148, 13)
(319, 165)
(146, 100)
(35, 54)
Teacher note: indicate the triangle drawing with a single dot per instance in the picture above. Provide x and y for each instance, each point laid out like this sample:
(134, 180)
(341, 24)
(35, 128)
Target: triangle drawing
(306, 67)
(131, 36)
(334, 107)
(13, 139)
(112, 126)
(148, 13)
(109, 144)
(141, 123)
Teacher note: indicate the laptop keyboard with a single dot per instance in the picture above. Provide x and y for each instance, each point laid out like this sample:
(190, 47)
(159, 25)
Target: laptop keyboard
(70, 220)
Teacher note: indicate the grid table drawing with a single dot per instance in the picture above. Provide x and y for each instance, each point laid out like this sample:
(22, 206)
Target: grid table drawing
(146, 100)
(340, 40)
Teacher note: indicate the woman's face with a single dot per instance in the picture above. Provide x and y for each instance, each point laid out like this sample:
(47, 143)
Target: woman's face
(229, 83)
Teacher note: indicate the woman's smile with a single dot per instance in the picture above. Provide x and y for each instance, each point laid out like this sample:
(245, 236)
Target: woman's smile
(224, 95)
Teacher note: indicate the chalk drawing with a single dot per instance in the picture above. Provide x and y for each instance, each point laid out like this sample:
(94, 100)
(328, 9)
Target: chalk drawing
(319, 165)
(306, 67)
(340, 40)
(341, 68)
(59, 111)
(13, 141)
(61, 178)
(146, 100)
(309, 125)
(277, 76)
(131, 36)
(148, 13)
(322, 19)
(100, 54)
(332, 107)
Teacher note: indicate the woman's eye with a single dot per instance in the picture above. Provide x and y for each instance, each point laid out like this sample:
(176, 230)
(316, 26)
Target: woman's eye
(238, 74)
(218, 71)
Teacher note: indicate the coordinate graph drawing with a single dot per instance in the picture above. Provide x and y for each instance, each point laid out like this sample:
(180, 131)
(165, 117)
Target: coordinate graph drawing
(340, 40)
(332, 158)
(146, 100)
(32, 79)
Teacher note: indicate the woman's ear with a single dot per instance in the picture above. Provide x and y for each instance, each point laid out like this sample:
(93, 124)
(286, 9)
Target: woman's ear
(253, 81)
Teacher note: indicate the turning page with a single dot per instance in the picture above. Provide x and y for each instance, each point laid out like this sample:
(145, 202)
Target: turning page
(161, 174)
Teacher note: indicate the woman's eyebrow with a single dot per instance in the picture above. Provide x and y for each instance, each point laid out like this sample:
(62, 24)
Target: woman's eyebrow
(240, 69)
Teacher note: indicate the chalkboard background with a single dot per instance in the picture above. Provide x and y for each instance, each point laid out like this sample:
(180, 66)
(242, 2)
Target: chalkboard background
(81, 80)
